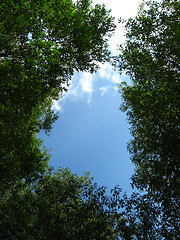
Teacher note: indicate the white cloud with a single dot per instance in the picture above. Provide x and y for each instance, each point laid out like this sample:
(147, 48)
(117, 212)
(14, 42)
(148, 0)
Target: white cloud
(56, 106)
(104, 90)
(81, 88)
(120, 8)
(115, 77)
(86, 82)
(106, 71)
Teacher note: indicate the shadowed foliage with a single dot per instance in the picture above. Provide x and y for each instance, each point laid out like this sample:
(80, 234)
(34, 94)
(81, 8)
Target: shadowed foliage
(150, 56)
(42, 43)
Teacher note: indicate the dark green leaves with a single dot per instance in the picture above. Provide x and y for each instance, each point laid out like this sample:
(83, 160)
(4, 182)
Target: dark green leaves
(42, 43)
(150, 56)
(60, 205)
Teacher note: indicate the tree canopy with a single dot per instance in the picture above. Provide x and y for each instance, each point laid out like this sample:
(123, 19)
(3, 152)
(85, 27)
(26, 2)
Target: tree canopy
(59, 205)
(62, 205)
(150, 56)
(42, 43)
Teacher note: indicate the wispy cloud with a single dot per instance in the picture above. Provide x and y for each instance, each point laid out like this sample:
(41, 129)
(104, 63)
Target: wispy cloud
(106, 71)
(86, 82)
(81, 88)
(104, 90)
(56, 106)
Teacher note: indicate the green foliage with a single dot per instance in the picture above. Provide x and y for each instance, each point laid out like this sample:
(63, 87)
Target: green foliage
(59, 205)
(42, 43)
(142, 217)
(150, 56)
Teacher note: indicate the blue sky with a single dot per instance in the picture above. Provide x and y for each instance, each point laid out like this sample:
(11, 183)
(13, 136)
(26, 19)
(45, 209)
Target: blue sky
(91, 133)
